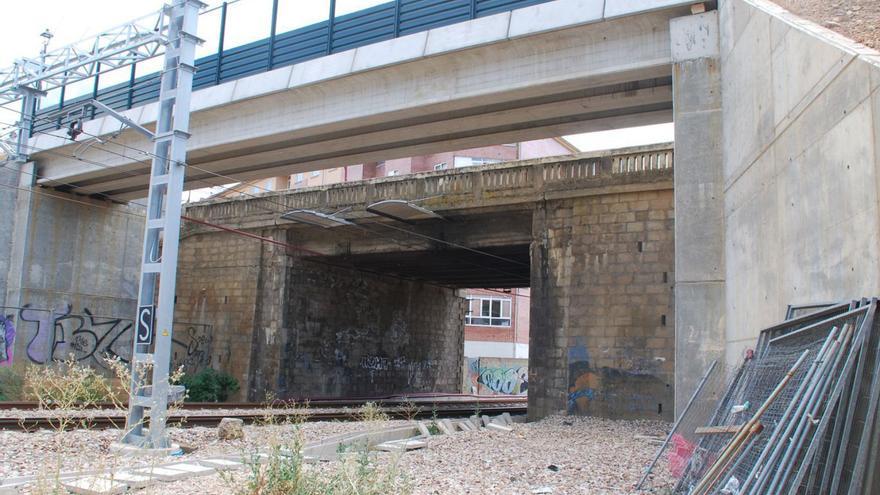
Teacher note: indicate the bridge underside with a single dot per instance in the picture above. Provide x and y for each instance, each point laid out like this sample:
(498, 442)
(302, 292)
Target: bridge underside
(505, 266)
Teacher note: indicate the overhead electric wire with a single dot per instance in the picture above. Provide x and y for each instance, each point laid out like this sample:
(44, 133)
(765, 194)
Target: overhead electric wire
(263, 198)
(202, 222)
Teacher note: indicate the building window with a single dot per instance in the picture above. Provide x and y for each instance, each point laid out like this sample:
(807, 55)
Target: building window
(299, 178)
(316, 173)
(470, 161)
(488, 311)
(394, 172)
(440, 166)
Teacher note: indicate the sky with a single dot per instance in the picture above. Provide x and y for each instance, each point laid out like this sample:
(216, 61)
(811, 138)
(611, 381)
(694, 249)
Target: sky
(247, 20)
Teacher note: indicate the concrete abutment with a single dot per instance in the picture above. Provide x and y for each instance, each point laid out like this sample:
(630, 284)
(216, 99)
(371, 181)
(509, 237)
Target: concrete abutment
(699, 200)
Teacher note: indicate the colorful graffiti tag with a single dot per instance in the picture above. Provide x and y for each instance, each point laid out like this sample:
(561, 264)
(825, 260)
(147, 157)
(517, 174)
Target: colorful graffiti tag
(497, 376)
(51, 335)
(7, 340)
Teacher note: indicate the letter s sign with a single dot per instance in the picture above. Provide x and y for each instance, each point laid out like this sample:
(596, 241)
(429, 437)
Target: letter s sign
(145, 324)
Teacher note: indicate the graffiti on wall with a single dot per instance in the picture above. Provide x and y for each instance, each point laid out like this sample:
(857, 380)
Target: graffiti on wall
(497, 376)
(414, 370)
(193, 348)
(632, 388)
(53, 335)
(56, 334)
(7, 340)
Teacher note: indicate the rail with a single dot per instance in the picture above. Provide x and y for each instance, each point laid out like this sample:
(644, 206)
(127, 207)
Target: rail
(200, 414)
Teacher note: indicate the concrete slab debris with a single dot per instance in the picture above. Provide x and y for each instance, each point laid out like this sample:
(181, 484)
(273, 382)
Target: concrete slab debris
(450, 427)
(497, 427)
(195, 469)
(220, 464)
(93, 485)
(401, 445)
(164, 473)
(424, 429)
(131, 479)
(444, 428)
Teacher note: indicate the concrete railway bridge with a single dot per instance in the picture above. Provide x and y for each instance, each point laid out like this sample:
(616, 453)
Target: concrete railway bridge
(775, 184)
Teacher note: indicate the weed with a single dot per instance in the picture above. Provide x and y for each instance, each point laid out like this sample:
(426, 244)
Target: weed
(371, 413)
(11, 385)
(409, 409)
(433, 428)
(68, 385)
(283, 471)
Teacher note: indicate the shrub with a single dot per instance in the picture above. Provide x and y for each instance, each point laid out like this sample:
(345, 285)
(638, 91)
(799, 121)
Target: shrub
(67, 384)
(209, 385)
(11, 385)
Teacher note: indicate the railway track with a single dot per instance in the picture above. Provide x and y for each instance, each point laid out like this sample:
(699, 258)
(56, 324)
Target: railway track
(192, 414)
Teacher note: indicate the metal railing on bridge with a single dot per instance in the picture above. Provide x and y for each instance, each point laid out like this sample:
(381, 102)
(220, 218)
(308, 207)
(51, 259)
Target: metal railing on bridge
(232, 52)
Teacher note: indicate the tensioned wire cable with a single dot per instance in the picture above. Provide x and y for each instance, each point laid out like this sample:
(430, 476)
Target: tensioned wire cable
(263, 198)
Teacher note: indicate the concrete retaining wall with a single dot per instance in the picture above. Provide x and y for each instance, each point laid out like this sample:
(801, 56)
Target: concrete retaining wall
(801, 150)
(72, 274)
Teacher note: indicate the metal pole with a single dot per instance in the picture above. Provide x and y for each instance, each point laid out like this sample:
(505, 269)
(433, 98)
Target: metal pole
(811, 402)
(94, 89)
(330, 26)
(162, 232)
(61, 106)
(131, 79)
(220, 43)
(677, 423)
(397, 17)
(754, 475)
(26, 123)
(745, 431)
(272, 34)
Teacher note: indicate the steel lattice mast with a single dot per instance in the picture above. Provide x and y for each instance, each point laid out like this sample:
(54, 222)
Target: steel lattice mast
(172, 29)
(162, 232)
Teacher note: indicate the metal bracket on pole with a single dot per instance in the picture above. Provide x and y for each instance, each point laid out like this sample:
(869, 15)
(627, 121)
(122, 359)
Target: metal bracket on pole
(122, 118)
(151, 391)
(26, 123)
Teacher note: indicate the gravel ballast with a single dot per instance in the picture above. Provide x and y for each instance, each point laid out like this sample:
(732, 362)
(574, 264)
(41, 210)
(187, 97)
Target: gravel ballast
(558, 455)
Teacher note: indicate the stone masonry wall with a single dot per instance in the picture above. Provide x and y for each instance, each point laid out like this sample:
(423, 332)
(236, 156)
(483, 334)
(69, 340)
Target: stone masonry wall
(602, 334)
(217, 280)
(295, 328)
(353, 333)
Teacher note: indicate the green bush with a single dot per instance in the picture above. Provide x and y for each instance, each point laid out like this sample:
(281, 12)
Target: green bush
(11, 385)
(209, 385)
